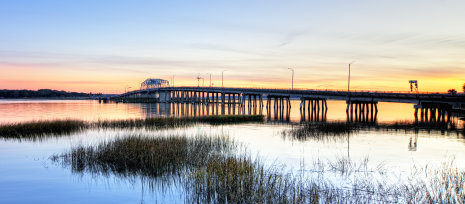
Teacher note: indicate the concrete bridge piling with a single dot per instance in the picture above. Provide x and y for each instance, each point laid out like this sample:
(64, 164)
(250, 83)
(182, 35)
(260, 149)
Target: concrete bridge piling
(281, 107)
(313, 109)
(433, 112)
(362, 111)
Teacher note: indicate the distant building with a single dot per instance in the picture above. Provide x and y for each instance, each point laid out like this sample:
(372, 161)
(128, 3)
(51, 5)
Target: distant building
(154, 83)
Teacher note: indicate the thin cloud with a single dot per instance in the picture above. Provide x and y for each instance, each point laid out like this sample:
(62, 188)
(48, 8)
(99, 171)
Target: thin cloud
(222, 48)
(291, 37)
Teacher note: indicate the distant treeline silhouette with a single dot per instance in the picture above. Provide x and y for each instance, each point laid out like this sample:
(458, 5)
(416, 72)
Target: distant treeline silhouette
(41, 93)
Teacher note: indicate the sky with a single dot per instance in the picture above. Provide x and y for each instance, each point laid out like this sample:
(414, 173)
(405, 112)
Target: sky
(112, 46)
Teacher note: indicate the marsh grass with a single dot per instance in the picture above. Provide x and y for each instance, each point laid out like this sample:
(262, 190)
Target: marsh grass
(211, 171)
(42, 129)
(241, 180)
(436, 185)
(171, 122)
(339, 130)
(39, 129)
(321, 131)
(346, 166)
(138, 155)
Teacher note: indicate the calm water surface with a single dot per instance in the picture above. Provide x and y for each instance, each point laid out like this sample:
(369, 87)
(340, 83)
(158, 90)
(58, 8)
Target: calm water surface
(28, 175)
(13, 111)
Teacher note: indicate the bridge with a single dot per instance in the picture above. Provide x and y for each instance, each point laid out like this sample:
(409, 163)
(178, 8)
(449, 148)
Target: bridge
(312, 101)
(218, 94)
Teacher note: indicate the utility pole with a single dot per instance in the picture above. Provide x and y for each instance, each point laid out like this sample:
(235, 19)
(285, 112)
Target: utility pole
(292, 77)
(210, 79)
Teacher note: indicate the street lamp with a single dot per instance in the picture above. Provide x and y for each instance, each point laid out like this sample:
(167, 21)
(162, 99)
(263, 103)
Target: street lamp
(348, 83)
(210, 79)
(222, 78)
(292, 77)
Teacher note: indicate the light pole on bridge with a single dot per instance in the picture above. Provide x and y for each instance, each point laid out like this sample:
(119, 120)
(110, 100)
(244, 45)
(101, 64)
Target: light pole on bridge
(292, 77)
(222, 78)
(210, 79)
(348, 83)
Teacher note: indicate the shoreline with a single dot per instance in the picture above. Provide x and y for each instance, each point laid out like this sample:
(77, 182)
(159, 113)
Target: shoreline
(51, 98)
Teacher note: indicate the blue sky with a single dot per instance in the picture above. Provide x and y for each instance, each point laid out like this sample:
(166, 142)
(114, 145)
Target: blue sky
(108, 45)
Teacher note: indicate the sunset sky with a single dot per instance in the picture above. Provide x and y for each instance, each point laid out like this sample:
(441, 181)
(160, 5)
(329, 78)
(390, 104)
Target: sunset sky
(107, 46)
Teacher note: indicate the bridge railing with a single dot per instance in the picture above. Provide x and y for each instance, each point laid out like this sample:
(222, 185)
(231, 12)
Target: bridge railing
(309, 89)
(306, 89)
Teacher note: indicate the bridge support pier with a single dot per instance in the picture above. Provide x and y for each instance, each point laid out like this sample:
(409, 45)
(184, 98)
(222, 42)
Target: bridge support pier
(433, 112)
(251, 102)
(281, 107)
(164, 96)
(362, 111)
(316, 108)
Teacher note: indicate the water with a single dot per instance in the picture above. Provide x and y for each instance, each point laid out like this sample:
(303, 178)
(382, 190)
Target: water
(13, 111)
(28, 175)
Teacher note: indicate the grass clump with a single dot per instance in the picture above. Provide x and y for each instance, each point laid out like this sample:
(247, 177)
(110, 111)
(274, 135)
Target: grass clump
(41, 128)
(240, 180)
(207, 166)
(137, 155)
(171, 122)
(443, 185)
(321, 131)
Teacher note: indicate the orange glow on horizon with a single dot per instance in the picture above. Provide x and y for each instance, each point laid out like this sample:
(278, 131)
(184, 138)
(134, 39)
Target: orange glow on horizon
(120, 85)
(114, 83)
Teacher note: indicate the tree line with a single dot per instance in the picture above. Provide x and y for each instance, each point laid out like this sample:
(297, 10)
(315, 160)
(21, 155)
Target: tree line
(41, 93)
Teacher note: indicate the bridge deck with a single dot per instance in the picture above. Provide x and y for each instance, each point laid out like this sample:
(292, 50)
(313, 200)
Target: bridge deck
(331, 95)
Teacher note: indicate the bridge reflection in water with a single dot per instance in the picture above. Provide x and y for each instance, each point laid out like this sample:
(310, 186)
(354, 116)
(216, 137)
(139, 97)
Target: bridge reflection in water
(362, 111)
(278, 108)
(200, 109)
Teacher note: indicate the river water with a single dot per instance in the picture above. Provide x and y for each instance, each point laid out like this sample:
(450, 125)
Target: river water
(27, 175)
